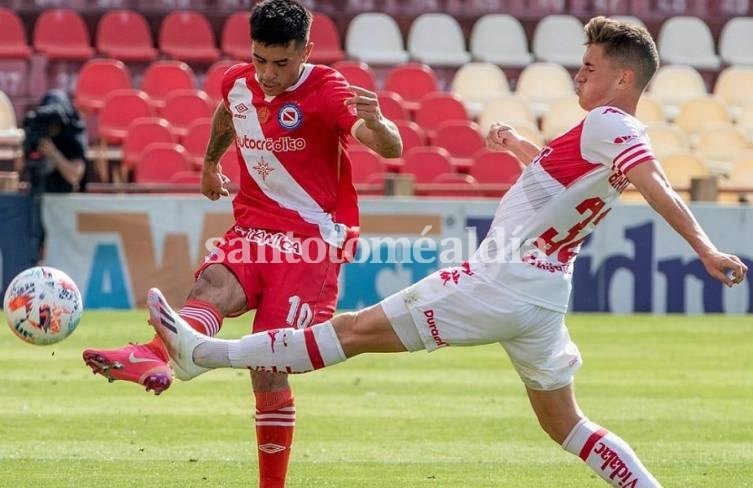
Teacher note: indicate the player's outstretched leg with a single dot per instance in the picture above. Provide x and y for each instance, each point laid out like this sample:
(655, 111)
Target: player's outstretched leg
(177, 335)
(138, 363)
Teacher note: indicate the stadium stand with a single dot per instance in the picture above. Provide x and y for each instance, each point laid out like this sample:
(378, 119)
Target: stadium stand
(61, 34)
(734, 87)
(12, 36)
(512, 109)
(357, 73)
(720, 145)
(159, 162)
(412, 134)
(183, 107)
(563, 114)
(412, 81)
(495, 171)
(236, 36)
(187, 35)
(735, 41)
(462, 140)
(196, 139)
(436, 39)
(426, 163)
(119, 109)
(650, 110)
(213, 78)
(738, 186)
(687, 40)
(559, 39)
(543, 83)
(141, 132)
(375, 38)
(666, 139)
(478, 84)
(325, 37)
(368, 170)
(436, 108)
(450, 185)
(393, 106)
(11, 136)
(125, 35)
(97, 78)
(698, 113)
(674, 85)
(500, 39)
(681, 168)
(163, 77)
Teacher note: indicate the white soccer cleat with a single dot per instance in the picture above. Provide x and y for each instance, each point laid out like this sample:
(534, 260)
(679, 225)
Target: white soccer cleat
(179, 338)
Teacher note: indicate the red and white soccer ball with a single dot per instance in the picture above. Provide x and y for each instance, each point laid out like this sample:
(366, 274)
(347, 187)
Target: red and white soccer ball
(42, 305)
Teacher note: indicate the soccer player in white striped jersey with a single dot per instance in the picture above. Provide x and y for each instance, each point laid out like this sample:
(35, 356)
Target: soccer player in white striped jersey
(515, 289)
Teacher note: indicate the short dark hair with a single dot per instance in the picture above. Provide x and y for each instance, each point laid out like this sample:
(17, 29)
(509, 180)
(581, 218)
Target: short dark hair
(628, 45)
(277, 22)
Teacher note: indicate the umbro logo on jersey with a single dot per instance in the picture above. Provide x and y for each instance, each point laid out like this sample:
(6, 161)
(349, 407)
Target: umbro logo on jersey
(241, 107)
(271, 448)
(290, 117)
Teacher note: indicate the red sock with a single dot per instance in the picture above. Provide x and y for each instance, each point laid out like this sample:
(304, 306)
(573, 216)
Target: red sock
(201, 316)
(275, 423)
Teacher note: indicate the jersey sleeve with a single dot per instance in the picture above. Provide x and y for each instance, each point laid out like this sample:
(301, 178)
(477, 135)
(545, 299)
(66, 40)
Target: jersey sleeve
(334, 93)
(615, 139)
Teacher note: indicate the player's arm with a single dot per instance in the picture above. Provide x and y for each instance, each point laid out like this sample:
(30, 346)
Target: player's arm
(376, 131)
(503, 137)
(222, 134)
(650, 180)
(72, 170)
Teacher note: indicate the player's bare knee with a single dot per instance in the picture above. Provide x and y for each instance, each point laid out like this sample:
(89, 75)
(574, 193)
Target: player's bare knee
(217, 285)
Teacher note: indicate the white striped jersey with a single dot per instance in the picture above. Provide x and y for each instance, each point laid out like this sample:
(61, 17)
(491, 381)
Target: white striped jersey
(557, 202)
(295, 170)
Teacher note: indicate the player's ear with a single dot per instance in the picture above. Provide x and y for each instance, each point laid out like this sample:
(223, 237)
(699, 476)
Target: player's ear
(626, 79)
(307, 51)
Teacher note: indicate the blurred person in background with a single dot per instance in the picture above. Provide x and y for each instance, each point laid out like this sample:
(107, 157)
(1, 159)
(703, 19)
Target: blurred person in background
(516, 288)
(290, 121)
(54, 155)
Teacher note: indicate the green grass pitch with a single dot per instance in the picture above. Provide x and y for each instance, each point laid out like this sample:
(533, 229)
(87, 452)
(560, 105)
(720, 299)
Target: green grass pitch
(678, 389)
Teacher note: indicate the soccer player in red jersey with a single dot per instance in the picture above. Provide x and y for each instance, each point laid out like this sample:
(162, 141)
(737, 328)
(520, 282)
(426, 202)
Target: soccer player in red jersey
(296, 215)
(515, 289)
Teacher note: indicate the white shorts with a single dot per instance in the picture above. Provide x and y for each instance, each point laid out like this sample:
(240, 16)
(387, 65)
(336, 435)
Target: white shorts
(459, 307)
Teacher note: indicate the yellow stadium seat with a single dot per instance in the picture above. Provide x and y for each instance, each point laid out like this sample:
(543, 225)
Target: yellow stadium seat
(745, 119)
(504, 109)
(563, 115)
(478, 83)
(696, 114)
(650, 110)
(735, 86)
(739, 182)
(666, 139)
(681, 168)
(721, 145)
(672, 85)
(543, 83)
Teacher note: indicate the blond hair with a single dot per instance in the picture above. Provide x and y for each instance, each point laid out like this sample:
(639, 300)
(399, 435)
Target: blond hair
(627, 45)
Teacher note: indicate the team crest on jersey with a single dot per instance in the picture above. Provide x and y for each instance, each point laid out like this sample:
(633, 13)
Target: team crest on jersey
(262, 114)
(290, 117)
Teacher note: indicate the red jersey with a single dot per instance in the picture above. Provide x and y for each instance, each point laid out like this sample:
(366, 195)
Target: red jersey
(295, 170)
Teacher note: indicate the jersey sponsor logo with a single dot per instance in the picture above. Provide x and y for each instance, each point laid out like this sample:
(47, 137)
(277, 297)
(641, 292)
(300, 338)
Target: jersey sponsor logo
(433, 329)
(279, 144)
(618, 181)
(289, 116)
(624, 139)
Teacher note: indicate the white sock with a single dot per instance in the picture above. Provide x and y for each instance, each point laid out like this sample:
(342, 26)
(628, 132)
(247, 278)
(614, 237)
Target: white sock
(609, 456)
(277, 351)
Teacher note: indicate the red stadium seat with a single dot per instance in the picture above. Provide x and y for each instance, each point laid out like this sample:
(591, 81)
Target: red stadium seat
(125, 35)
(183, 107)
(462, 140)
(412, 134)
(160, 161)
(62, 34)
(192, 178)
(368, 170)
(231, 166)
(196, 139)
(450, 185)
(142, 132)
(163, 77)
(495, 171)
(236, 36)
(357, 73)
(97, 78)
(12, 36)
(188, 36)
(120, 108)
(426, 163)
(392, 106)
(327, 45)
(411, 81)
(213, 78)
(438, 107)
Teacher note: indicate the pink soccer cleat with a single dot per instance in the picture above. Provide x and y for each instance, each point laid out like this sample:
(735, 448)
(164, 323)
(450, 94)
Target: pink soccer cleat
(134, 362)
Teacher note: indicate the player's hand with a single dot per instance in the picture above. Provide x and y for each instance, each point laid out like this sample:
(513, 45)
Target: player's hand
(213, 182)
(727, 268)
(47, 148)
(367, 106)
(502, 137)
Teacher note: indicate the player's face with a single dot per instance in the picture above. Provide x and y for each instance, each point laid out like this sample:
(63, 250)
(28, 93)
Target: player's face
(278, 67)
(598, 79)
